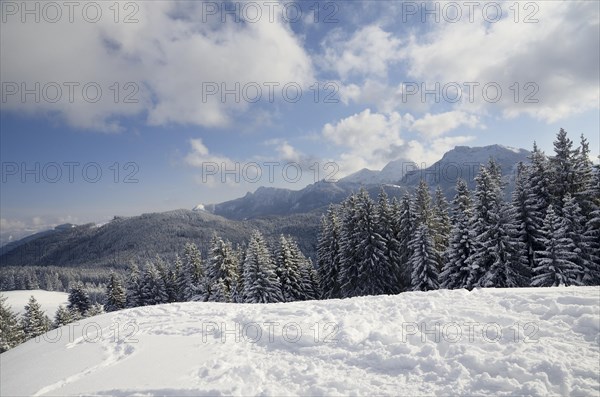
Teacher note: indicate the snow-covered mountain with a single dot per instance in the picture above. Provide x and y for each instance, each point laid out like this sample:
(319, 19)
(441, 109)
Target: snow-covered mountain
(531, 341)
(392, 172)
(460, 162)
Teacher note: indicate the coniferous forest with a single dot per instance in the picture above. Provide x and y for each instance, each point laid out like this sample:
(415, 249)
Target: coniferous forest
(545, 233)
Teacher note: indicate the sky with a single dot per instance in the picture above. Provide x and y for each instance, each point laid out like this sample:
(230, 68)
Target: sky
(120, 108)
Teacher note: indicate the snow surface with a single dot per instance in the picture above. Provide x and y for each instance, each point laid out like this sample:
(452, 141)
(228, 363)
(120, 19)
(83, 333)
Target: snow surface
(175, 349)
(49, 300)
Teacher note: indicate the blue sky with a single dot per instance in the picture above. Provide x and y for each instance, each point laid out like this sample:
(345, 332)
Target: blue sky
(365, 59)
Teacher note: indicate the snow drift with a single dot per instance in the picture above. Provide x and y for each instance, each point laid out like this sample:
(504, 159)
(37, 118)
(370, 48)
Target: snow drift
(533, 341)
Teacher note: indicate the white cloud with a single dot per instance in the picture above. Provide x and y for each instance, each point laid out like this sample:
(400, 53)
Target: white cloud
(368, 52)
(558, 54)
(434, 125)
(368, 139)
(168, 54)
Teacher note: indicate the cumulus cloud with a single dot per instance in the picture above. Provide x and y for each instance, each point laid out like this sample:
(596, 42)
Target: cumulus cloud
(558, 54)
(367, 52)
(434, 125)
(170, 55)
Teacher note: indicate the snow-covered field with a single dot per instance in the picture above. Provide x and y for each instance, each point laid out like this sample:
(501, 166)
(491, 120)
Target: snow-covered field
(491, 341)
(49, 300)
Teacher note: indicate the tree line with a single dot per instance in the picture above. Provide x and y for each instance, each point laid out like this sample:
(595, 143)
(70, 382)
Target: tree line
(546, 234)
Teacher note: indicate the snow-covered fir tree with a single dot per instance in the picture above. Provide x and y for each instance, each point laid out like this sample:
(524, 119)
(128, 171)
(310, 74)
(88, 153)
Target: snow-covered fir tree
(79, 301)
(222, 267)
(328, 253)
(365, 268)
(456, 271)
(591, 236)
(62, 316)
(406, 226)
(574, 224)
(527, 214)
(153, 290)
(191, 282)
(486, 211)
(442, 226)
(133, 287)
(287, 267)
(309, 278)
(555, 263)
(11, 331)
(94, 310)
(388, 228)
(562, 170)
(261, 284)
(34, 321)
(423, 260)
(509, 267)
(349, 276)
(115, 294)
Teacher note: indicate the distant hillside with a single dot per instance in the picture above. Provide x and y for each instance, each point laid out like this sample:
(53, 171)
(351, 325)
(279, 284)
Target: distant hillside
(143, 237)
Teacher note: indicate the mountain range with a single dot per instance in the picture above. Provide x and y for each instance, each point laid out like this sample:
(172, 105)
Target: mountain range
(273, 211)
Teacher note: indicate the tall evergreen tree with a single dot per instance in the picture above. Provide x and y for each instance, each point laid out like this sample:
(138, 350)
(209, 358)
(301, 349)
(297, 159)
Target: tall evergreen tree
(79, 301)
(555, 263)
(442, 226)
(527, 214)
(261, 284)
(388, 228)
(369, 252)
(11, 332)
(191, 282)
(488, 200)
(115, 294)
(509, 267)
(563, 170)
(424, 260)
(406, 225)
(153, 289)
(222, 267)
(456, 271)
(349, 276)
(288, 271)
(133, 294)
(328, 254)
(591, 236)
(574, 224)
(35, 322)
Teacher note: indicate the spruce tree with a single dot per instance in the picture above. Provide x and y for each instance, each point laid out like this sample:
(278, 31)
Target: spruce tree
(509, 267)
(261, 284)
(388, 229)
(563, 170)
(591, 236)
(222, 267)
(488, 200)
(62, 316)
(287, 266)
(79, 301)
(153, 290)
(328, 254)
(349, 276)
(456, 271)
(442, 225)
(11, 332)
(555, 263)
(115, 294)
(423, 261)
(191, 282)
(527, 214)
(574, 224)
(406, 225)
(35, 322)
(133, 292)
